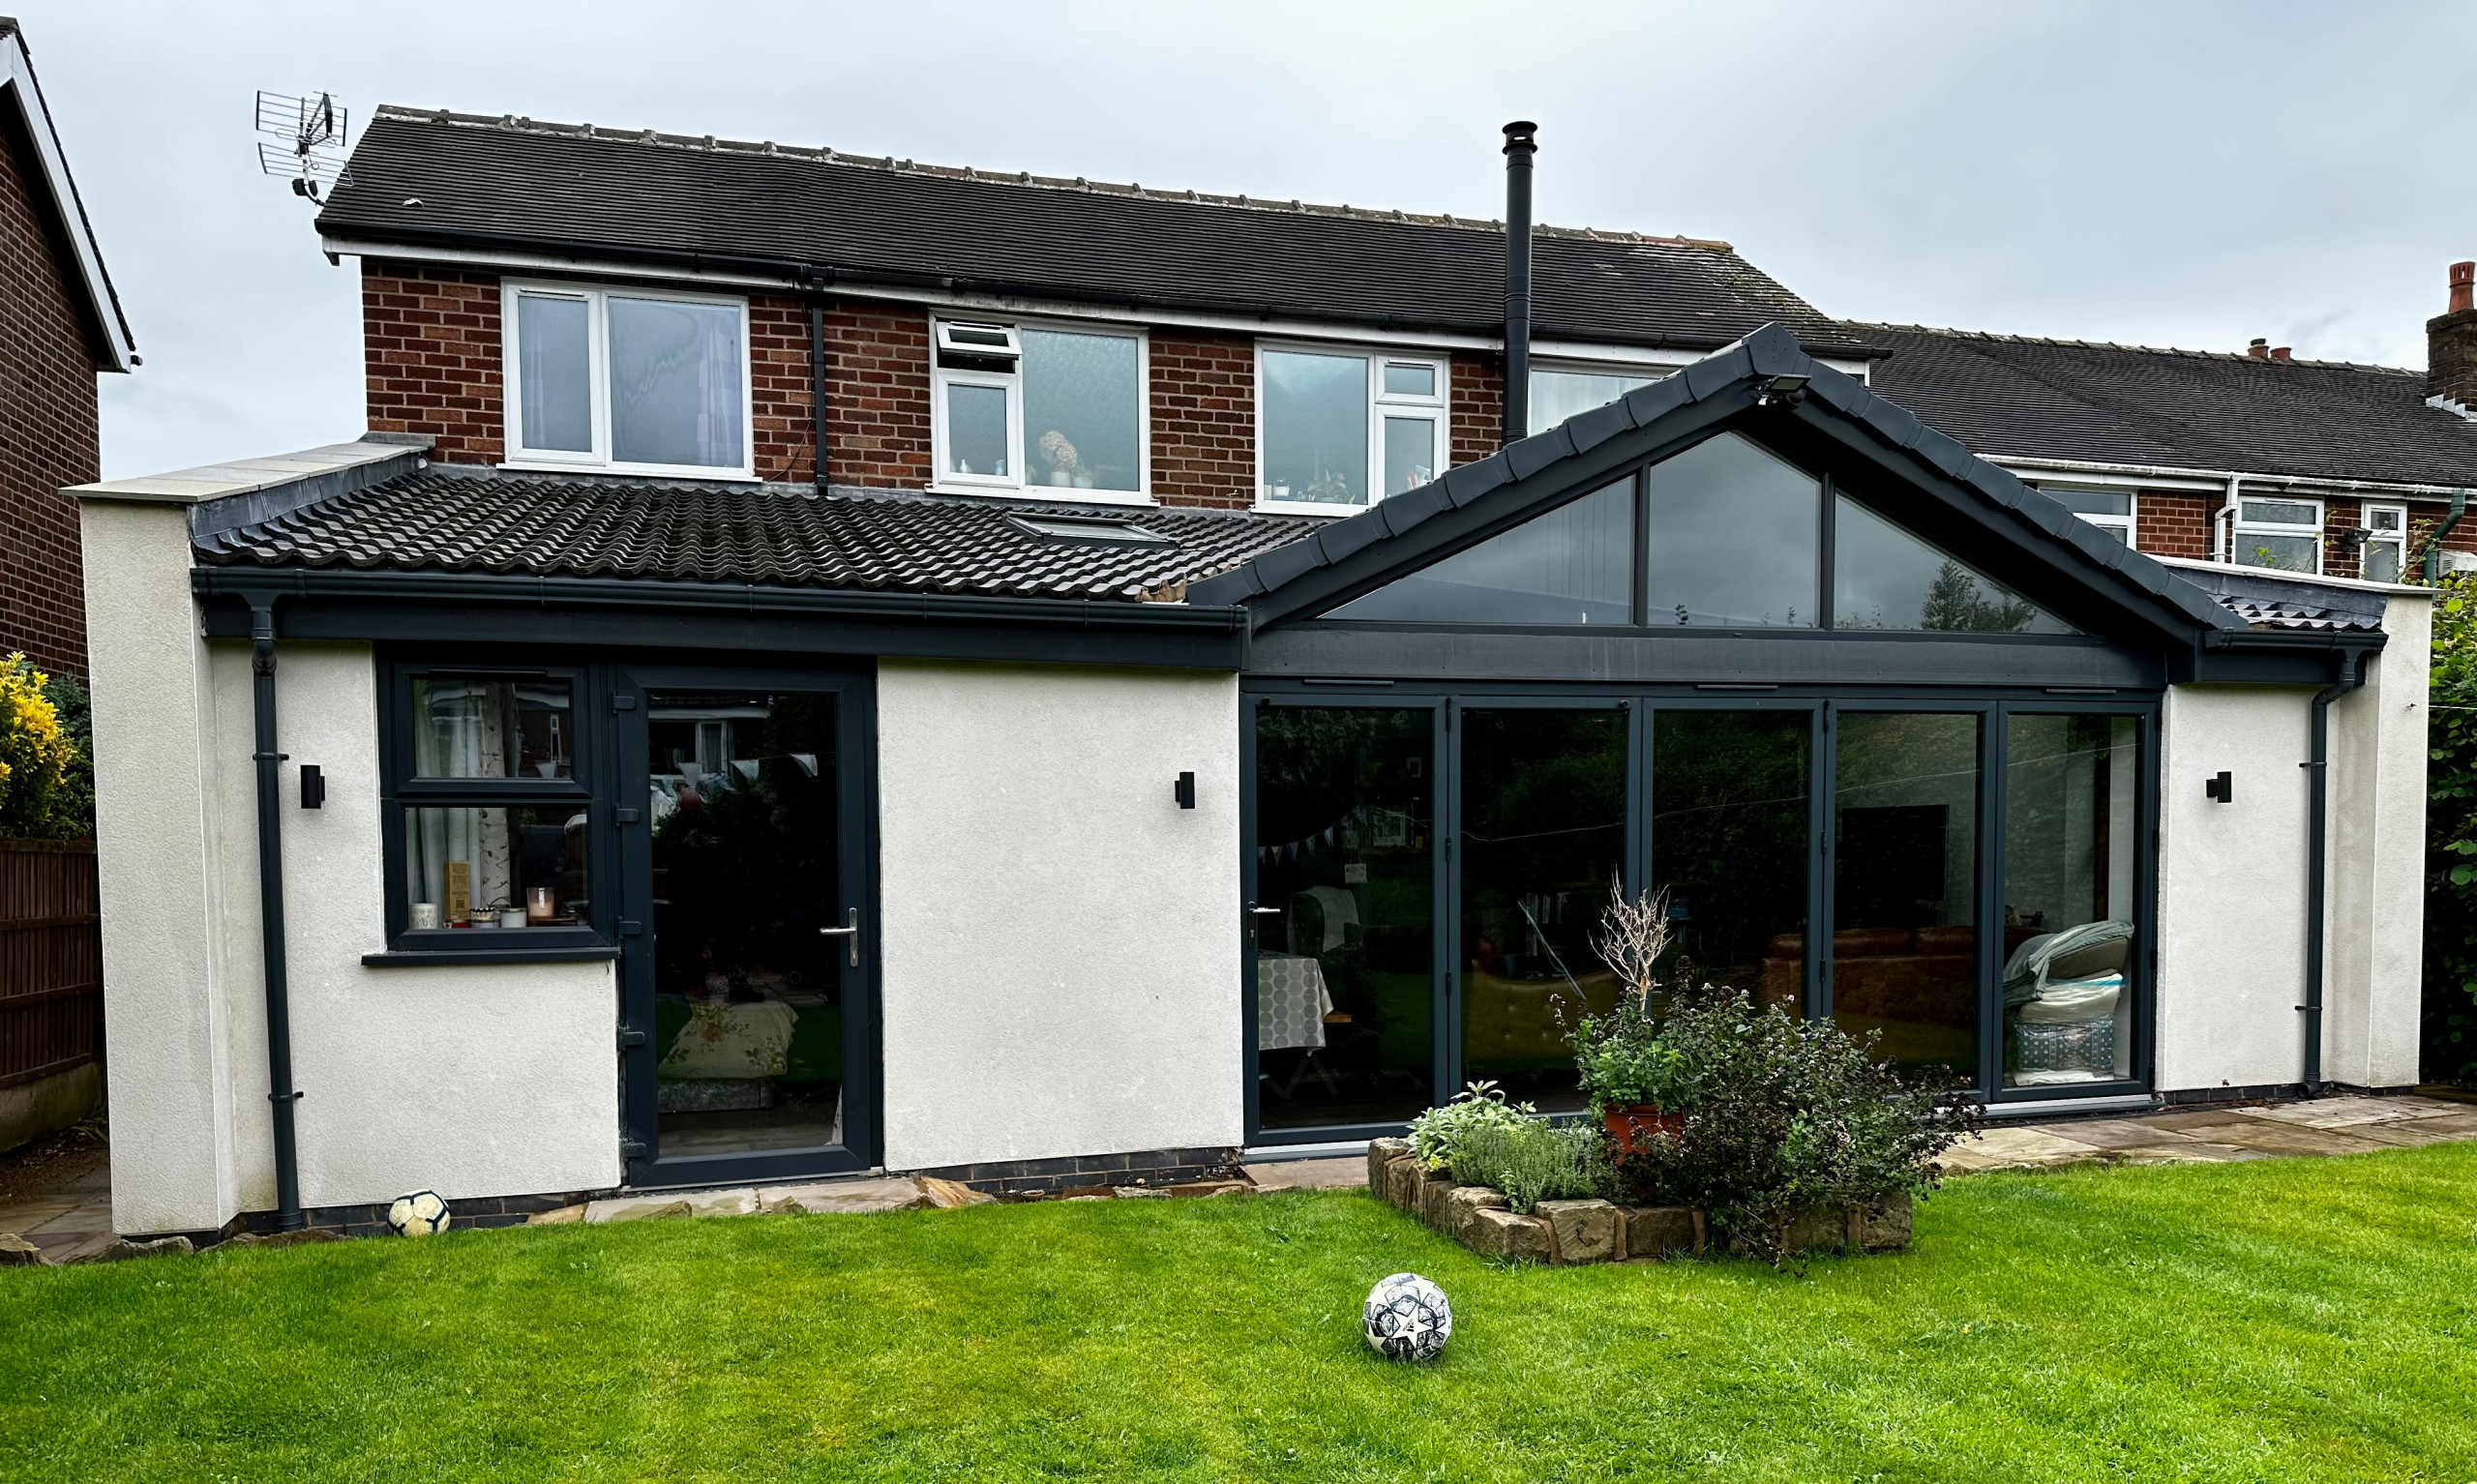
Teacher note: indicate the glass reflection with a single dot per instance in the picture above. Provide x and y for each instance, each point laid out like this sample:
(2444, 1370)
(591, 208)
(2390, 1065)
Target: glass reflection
(555, 369)
(1734, 540)
(1884, 577)
(1558, 394)
(2070, 783)
(1904, 942)
(1573, 565)
(675, 382)
(1542, 839)
(1345, 1003)
(1081, 406)
(1315, 427)
(477, 727)
(1729, 832)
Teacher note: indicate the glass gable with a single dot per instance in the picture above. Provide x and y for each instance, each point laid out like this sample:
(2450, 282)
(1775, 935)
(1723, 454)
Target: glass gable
(1573, 565)
(1884, 577)
(1736, 538)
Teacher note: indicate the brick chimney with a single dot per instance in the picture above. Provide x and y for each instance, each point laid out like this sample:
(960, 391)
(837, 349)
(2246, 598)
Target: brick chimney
(2451, 342)
(2261, 350)
(2281, 353)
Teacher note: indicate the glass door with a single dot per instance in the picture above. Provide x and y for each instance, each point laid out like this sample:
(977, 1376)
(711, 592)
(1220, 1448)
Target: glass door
(749, 933)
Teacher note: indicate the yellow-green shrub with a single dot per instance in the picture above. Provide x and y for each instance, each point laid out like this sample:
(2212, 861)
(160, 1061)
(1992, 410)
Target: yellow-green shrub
(42, 767)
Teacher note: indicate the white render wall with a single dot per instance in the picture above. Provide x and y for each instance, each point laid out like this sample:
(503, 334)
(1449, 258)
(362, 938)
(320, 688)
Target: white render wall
(2374, 990)
(1061, 940)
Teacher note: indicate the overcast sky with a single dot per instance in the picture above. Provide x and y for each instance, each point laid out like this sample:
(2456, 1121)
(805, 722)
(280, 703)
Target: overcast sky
(2163, 174)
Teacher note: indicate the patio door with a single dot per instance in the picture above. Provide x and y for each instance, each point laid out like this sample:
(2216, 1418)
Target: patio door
(749, 935)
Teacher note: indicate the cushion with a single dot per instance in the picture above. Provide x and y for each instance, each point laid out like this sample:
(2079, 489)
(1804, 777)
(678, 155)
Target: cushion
(2091, 958)
(2075, 1001)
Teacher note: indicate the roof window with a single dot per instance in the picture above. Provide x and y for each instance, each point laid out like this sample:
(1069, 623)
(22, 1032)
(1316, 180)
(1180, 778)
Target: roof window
(1081, 529)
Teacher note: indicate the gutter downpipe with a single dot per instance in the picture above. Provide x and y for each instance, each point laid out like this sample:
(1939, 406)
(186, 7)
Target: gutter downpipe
(817, 279)
(2433, 543)
(281, 1094)
(1520, 146)
(2352, 666)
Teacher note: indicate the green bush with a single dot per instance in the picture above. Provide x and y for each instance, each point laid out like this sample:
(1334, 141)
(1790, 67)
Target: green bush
(2451, 840)
(1533, 1161)
(1437, 1135)
(47, 767)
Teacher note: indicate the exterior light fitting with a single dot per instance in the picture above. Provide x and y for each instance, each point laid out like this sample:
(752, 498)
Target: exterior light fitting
(1782, 391)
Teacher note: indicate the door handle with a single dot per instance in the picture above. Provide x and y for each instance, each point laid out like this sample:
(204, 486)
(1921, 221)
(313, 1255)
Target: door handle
(851, 928)
(1266, 911)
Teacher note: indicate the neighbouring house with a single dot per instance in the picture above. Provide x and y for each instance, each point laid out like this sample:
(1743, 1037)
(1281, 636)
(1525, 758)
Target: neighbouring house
(60, 326)
(820, 663)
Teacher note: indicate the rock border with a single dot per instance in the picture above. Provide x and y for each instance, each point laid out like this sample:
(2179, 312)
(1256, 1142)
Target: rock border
(1570, 1234)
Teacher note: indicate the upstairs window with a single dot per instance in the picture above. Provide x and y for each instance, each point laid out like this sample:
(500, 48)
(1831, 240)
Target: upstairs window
(2285, 535)
(1558, 394)
(1029, 409)
(1339, 428)
(635, 381)
(2386, 543)
(2109, 510)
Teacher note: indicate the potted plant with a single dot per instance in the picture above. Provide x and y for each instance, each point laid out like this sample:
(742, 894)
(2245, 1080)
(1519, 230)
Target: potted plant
(1640, 1084)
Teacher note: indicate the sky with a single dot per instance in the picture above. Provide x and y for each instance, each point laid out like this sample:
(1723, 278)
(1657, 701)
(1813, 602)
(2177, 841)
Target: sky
(2161, 173)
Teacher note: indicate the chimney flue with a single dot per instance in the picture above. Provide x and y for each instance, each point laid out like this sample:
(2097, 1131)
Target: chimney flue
(1520, 146)
(2261, 350)
(2451, 342)
(2281, 352)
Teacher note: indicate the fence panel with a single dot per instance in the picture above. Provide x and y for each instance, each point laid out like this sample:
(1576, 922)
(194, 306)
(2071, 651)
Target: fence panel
(51, 959)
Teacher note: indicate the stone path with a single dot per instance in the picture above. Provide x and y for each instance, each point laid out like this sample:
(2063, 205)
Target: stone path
(68, 1220)
(2334, 1125)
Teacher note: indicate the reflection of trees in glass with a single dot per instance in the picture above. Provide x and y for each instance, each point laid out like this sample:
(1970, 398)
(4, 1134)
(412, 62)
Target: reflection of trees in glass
(1729, 821)
(749, 865)
(1957, 601)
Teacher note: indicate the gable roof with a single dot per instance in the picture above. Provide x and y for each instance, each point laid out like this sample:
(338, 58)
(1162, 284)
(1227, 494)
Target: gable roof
(55, 189)
(439, 179)
(1986, 505)
(2011, 396)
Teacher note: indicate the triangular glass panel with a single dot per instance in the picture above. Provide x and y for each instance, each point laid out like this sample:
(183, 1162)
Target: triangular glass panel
(1575, 565)
(1884, 577)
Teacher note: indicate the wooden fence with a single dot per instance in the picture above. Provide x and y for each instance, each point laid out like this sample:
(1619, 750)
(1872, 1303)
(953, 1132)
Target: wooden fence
(51, 959)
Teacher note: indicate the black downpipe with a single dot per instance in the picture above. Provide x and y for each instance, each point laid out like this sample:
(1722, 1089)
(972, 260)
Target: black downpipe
(2316, 853)
(2433, 543)
(281, 1094)
(1520, 146)
(817, 383)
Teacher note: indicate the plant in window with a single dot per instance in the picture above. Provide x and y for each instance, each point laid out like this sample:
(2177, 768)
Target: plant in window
(1064, 465)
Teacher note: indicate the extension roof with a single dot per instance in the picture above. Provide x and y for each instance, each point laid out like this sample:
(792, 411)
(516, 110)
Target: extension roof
(441, 518)
(2012, 397)
(430, 178)
(1984, 513)
(56, 192)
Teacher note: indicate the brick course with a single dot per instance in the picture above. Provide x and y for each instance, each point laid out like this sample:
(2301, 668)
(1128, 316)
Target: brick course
(876, 394)
(50, 434)
(1477, 408)
(1204, 420)
(431, 357)
(2172, 525)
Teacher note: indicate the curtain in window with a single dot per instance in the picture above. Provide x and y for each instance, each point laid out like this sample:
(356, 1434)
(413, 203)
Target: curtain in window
(674, 383)
(459, 734)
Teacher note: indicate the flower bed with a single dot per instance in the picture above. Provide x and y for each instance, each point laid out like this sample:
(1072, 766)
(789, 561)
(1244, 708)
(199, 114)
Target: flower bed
(1569, 1233)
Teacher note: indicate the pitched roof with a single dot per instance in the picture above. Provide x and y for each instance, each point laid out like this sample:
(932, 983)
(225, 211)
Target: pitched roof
(51, 185)
(443, 519)
(2011, 396)
(1355, 554)
(433, 178)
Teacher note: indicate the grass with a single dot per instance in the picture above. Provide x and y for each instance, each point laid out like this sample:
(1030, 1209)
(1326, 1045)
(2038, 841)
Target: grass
(2299, 1319)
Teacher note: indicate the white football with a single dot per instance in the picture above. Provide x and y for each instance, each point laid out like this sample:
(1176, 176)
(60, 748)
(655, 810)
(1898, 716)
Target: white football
(419, 1214)
(1407, 1317)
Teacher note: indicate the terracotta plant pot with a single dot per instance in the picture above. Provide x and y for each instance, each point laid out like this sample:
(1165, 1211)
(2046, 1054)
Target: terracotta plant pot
(1632, 1127)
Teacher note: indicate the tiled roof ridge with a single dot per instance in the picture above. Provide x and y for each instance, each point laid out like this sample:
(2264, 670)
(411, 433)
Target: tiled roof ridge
(515, 124)
(1997, 338)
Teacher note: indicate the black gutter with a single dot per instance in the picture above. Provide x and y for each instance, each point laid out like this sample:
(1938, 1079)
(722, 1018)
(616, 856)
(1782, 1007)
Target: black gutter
(2352, 665)
(281, 1094)
(1520, 147)
(261, 585)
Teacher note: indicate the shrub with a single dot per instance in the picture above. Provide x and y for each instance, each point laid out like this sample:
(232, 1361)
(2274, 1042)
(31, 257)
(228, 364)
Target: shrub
(2451, 840)
(1621, 1056)
(1437, 1135)
(47, 775)
(1535, 1161)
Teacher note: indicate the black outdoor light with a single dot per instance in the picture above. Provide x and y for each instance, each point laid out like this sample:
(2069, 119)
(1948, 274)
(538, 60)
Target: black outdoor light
(1185, 790)
(2222, 788)
(1782, 391)
(313, 786)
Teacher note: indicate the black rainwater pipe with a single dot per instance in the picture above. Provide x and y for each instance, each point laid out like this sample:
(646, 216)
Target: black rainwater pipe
(2433, 543)
(816, 380)
(2352, 664)
(280, 1095)
(1520, 146)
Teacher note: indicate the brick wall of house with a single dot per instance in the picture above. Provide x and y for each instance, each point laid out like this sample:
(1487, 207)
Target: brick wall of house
(2169, 523)
(1477, 408)
(49, 427)
(876, 394)
(1203, 419)
(780, 391)
(431, 357)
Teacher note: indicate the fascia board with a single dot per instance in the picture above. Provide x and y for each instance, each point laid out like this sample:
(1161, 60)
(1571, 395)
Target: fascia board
(17, 80)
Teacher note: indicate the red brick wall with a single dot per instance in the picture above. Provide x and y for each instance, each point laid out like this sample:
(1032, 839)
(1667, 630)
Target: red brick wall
(431, 357)
(2172, 525)
(780, 391)
(1203, 419)
(1477, 408)
(48, 434)
(876, 394)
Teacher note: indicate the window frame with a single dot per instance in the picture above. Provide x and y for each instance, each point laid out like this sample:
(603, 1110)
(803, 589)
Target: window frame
(597, 297)
(1012, 382)
(2397, 537)
(1436, 410)
(401, 789)
(2128, 523)
(1646, 372)
(2240, 528)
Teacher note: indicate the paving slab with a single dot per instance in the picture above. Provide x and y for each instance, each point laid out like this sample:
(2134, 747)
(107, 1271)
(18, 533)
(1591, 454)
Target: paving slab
(2199, 1118)
(2274, 1138)
(2115, 1133)
(2018, 1148)
(2348, 1112)
(844, 1198)
(1339, 1174)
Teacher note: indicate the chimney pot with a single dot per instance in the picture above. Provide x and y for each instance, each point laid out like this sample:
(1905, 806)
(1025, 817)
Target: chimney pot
(2281, 352)
(2463, 287)
(2260, 349)
(2451, 342)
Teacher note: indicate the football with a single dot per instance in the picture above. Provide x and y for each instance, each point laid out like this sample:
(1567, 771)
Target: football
(1407, 1317)
(419, 1214)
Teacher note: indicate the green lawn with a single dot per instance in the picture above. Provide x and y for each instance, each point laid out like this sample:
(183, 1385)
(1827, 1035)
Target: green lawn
(2298, 1320)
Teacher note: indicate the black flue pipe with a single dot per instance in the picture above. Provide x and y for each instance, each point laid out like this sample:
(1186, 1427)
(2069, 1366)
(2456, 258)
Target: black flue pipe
(1520, 146)
(281, 1094)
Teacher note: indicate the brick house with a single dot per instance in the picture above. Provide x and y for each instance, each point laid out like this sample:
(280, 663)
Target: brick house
(823, 663)
(60, 325)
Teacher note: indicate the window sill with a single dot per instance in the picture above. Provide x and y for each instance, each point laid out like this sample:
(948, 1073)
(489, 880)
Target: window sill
(1265, 506)
(1052, 494)
(407, 957)
(635, 470)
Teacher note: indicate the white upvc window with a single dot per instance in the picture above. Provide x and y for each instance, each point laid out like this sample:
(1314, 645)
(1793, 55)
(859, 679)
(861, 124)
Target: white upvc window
(630, 380)
(2384, 557)
(1560, 392)
(1051, 410)
(2109, 510)
(2281, 531)
(1337, 430)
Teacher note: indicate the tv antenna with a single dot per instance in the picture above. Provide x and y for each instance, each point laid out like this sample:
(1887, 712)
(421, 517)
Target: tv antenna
(313, 131)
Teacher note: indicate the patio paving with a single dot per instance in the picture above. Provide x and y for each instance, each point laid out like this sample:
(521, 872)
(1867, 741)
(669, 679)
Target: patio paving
(2318, 1127)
